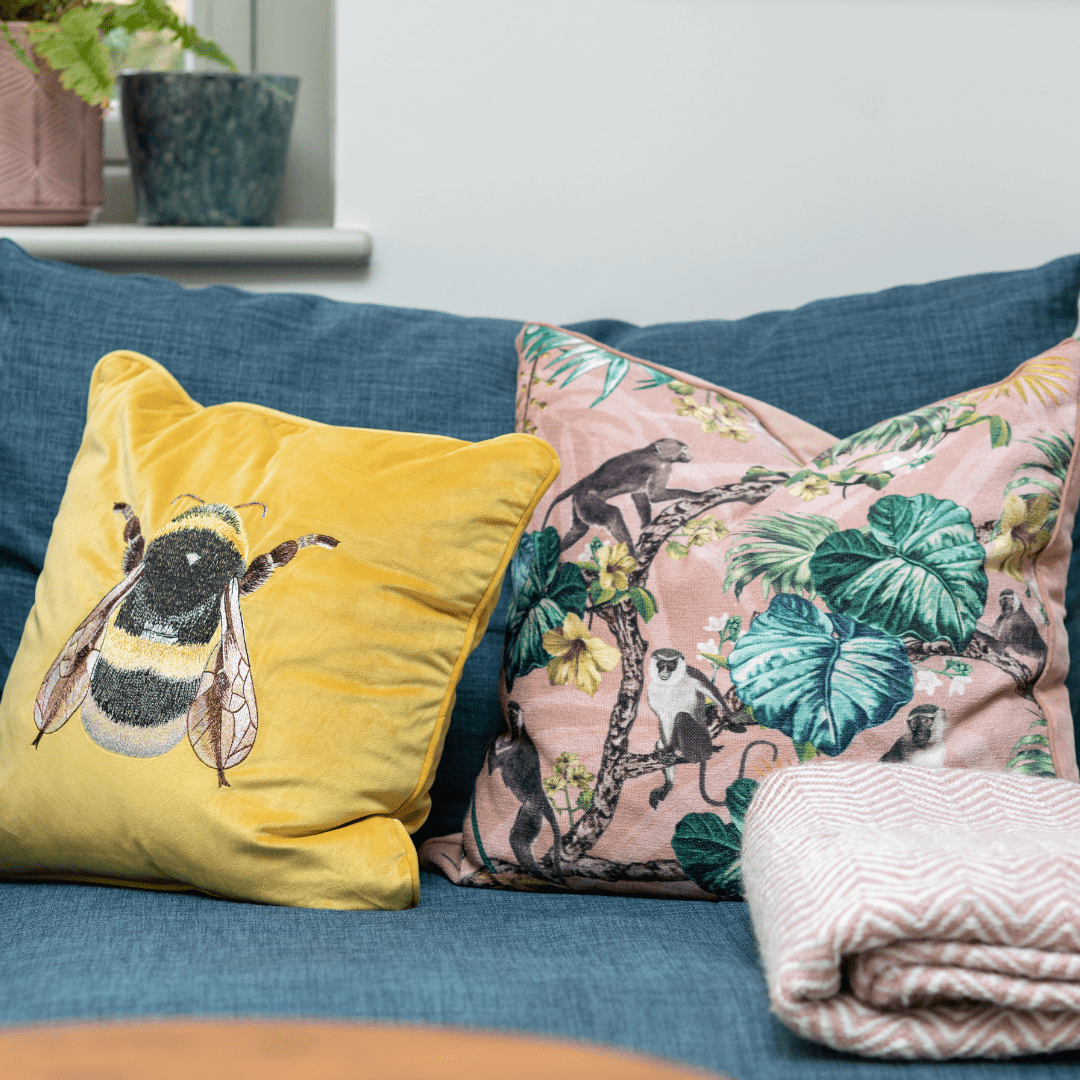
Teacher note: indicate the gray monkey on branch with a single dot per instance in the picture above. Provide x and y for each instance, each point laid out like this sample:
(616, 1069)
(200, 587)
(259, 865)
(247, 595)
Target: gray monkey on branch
(516, 756)
(1015, 628)
(685, 702)
(642, 474)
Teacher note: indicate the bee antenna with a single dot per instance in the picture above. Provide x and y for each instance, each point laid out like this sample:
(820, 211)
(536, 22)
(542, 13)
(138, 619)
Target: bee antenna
(253, 503)
(187, 496)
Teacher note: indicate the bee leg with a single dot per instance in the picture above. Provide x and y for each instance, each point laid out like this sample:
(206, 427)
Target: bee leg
(259, 571)
(133, 537)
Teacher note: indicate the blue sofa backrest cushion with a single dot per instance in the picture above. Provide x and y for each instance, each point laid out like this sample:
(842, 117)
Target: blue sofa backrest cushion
(841, 364)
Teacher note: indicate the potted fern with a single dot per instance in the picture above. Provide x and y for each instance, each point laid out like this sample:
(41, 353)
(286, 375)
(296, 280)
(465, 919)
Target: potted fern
(58, 64)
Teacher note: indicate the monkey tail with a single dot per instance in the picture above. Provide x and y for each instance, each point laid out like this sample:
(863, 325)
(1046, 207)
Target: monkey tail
(556, 851)
(558, 499)
(701, 786)
(750, 746)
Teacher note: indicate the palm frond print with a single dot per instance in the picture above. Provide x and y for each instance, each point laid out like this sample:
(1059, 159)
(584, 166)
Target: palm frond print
(920, 429)
(1042, 378)
(1058, 450)
(1031, 754)
(779, 554)
(551, 347)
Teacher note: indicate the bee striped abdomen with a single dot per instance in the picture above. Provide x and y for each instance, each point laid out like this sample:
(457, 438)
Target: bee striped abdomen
(142, 697)
(146, 679)
(160, 637)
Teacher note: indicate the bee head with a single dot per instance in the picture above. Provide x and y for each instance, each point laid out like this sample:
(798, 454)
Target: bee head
(193, 557)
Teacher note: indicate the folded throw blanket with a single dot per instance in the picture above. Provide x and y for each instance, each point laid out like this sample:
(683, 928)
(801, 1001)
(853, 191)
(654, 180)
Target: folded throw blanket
(904, 912)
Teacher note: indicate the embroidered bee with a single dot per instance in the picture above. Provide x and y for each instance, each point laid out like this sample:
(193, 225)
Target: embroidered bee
(164, 652)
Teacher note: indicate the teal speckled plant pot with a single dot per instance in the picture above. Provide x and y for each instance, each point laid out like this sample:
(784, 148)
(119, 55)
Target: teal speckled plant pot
(207, 148)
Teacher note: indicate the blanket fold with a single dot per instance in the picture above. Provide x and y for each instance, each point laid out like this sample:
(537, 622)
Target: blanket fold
(918, 913)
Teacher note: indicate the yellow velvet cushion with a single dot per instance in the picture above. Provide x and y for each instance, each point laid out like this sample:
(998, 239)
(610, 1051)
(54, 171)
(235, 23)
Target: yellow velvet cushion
(190, 715)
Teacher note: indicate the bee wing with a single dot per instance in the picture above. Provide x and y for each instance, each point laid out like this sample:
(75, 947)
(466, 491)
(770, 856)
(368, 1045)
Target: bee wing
(68, 680)
(223, 719)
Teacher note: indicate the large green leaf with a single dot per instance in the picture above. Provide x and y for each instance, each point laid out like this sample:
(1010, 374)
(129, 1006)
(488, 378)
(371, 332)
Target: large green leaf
(916, 430)
(918, 570)
(707, 847)
(817, 677)
(544, 591)
(782, 558)
(737, 799)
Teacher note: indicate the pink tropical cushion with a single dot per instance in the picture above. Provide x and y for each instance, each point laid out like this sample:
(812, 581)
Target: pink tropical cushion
(716, 589)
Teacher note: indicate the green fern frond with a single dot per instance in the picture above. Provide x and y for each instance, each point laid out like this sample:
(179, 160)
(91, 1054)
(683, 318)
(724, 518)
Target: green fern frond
(157, 15)
(73, 47)
(77, 44)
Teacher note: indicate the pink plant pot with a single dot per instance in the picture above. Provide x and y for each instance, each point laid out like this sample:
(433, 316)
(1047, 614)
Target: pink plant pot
(50, 145)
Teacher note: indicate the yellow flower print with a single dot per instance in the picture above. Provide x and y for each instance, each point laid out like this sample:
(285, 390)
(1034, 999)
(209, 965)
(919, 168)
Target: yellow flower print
(687, 406)
(723, 418)
(615, 563)
(1021, 534)
(577, 657)
(580, 777)
(730, 424)
(810, 488)
(681, 388)
(565, 763)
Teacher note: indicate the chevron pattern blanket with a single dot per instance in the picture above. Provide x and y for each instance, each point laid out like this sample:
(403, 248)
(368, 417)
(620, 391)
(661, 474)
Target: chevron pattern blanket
(916, 913)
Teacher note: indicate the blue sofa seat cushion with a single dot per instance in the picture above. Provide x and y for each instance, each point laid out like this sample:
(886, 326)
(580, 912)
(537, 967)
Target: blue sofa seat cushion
(670, 977)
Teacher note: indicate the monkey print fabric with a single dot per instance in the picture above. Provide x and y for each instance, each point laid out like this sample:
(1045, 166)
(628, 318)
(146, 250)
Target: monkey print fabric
(715, 590)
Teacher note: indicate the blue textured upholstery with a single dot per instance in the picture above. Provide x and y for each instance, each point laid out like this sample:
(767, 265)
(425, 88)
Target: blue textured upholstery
(673, 977)
(842, 364)
(676, 978)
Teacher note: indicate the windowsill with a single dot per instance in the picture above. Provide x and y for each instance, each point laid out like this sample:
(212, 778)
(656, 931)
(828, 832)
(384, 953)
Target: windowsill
(286, 244)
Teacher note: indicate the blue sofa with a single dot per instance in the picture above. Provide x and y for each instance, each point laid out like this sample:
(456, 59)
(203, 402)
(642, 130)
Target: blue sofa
(676, 978)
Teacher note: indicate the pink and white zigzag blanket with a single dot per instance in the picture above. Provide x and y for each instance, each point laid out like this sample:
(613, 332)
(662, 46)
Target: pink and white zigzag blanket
(918, 913)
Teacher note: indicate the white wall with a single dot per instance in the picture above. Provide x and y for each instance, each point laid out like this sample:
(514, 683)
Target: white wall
(670, 159)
